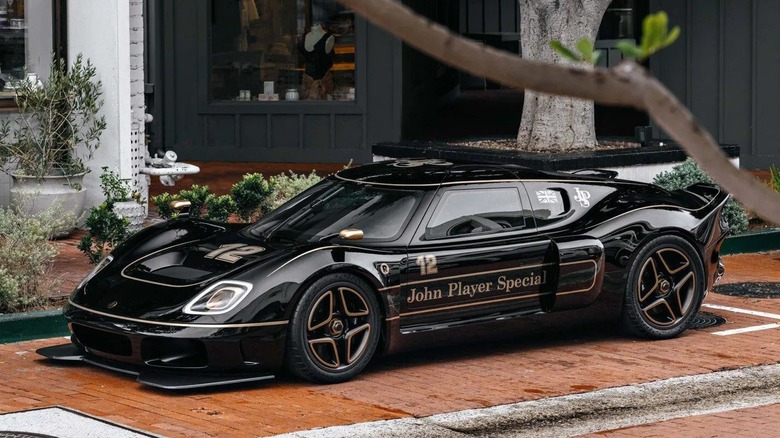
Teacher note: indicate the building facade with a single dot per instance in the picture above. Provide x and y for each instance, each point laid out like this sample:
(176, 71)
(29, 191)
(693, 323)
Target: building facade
(309, 81)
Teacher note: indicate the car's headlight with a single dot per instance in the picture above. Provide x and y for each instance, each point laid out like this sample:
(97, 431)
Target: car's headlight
(219, 298)
(103, 263)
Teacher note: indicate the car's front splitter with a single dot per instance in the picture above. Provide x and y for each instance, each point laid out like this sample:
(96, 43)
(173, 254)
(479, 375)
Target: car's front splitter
(157, 378)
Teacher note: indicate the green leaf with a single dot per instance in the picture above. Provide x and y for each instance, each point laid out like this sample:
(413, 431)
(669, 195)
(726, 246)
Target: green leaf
(661, 24)
(585, 46)
(563, 51)
(630, 50)
(672, 37)
(648, 29)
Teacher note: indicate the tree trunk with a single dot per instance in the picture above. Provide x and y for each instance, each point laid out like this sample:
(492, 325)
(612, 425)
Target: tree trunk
(553, 121)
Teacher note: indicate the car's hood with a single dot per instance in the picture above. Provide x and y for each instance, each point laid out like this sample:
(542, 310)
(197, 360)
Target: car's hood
(195, 262)
(159, 280)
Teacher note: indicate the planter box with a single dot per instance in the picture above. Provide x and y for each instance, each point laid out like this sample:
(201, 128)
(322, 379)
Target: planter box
(638, 164)
(756, 241)
(17, 327)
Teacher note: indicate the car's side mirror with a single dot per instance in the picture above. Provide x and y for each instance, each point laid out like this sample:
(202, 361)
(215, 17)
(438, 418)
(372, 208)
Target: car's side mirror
(179, 206)
(351, 234)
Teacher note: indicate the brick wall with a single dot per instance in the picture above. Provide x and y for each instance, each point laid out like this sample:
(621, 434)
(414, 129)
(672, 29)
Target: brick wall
(137, 81)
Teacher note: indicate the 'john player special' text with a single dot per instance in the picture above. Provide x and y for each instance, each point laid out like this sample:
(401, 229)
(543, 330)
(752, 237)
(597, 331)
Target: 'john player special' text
(463, 289)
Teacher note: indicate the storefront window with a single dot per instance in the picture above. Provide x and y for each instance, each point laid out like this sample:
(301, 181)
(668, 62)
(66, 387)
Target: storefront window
(618, 21)
(25, 43)
(271, 50)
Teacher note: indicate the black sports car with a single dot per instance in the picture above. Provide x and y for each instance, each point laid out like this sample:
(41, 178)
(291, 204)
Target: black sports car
(373, 254)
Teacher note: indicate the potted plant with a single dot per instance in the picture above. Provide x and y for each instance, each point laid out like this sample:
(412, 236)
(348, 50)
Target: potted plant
(58, 128)
(123, 199)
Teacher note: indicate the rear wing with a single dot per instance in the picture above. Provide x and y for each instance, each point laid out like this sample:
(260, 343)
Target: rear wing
(703, 194)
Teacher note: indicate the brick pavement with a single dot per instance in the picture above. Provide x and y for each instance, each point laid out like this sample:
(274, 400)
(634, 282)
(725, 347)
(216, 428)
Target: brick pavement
(523, 366)
(747, 423)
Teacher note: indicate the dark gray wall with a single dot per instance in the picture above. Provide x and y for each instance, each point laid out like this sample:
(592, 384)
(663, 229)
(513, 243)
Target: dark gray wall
(427, 82)
(725, 68)
(493, 16)
(198, 129)
(478, 18)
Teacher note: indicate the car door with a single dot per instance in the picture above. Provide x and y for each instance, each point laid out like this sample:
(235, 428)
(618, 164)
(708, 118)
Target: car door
(558, 207)
(475, 256)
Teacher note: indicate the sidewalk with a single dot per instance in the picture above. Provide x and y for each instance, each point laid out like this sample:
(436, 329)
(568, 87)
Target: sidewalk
(741, 423)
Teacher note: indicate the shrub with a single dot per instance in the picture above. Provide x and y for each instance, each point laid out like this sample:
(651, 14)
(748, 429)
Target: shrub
(249, 199)
(288, 187)
(221, 208)
(105, 228)
(106, 231)
(113, 188)
(200, 197)
(688, 173)
(251, 196)
(26, 256)
(163, 204)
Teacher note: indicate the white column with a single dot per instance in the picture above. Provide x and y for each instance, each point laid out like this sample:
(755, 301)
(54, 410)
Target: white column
(100, 30)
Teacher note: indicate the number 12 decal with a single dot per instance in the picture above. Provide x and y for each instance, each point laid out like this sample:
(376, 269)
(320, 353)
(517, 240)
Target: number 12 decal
(427, 264)
(233, 252)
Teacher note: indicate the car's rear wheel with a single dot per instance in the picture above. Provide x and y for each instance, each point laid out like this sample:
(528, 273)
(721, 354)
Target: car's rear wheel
(334, 330)
(665, 288)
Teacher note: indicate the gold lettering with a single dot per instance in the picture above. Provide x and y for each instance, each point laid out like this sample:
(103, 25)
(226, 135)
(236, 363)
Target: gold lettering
(453, 288)
(424, 295)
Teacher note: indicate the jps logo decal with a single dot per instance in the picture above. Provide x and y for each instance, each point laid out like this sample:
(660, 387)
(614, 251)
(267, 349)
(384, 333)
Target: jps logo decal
(233, 252)
(582, 197)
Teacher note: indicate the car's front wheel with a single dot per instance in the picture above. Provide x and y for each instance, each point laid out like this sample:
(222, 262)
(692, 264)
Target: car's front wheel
(334, 329)
(665, 288)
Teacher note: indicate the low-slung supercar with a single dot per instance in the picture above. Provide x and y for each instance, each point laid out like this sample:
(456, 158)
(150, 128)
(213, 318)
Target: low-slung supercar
(377, 253)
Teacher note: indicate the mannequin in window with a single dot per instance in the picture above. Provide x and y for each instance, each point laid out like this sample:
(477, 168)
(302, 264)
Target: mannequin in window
(317, 49)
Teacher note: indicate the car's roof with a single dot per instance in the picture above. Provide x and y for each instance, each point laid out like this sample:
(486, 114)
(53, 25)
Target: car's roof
(433, 172)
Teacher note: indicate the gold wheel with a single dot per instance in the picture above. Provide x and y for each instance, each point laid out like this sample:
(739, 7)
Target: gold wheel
(338, 328)
(666, 287)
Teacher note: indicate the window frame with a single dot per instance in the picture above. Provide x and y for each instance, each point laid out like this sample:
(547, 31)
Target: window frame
(529, 225)
(419, 202)
(208, 106)
(59, 44)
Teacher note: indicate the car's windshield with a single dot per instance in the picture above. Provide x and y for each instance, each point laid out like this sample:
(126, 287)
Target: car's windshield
(332, 206)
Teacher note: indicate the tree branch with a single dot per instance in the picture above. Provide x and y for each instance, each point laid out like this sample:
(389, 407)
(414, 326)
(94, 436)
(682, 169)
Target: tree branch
(626, 85)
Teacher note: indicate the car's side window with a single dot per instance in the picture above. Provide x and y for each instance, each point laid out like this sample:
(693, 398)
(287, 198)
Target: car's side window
(473, 211)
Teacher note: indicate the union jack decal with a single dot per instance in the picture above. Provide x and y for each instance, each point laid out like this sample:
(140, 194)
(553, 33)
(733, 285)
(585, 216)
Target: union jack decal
(547, 196)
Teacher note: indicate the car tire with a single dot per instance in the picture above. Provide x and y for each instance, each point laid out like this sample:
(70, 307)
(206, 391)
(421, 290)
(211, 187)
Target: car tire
(665, 289)
(334, 330)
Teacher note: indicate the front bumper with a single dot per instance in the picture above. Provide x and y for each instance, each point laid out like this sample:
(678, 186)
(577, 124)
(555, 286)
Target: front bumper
(148, 376)
(172, 356)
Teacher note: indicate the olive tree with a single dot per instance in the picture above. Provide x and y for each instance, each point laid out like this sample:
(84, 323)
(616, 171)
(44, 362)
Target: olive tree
(548, 120)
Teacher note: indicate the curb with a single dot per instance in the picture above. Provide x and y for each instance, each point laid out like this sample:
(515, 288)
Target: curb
(28, 326)
(610, 409)
(757, 241)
